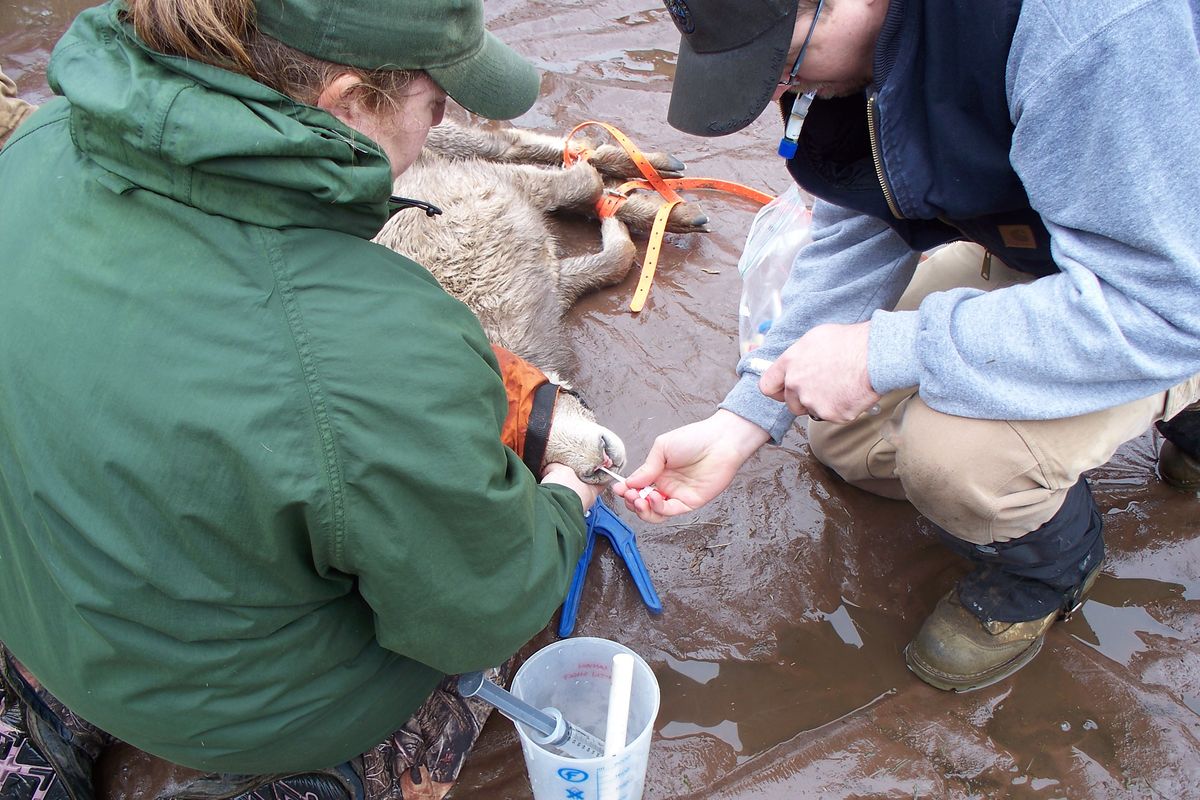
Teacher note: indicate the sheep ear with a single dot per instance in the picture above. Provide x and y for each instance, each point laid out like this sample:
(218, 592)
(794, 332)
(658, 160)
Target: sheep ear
(558, 381)
(566, 388)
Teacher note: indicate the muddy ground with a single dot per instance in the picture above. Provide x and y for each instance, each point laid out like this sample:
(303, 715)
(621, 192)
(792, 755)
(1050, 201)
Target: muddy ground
(788, 600)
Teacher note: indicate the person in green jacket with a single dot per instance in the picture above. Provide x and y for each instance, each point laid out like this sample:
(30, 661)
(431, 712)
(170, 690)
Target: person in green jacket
(254, 508)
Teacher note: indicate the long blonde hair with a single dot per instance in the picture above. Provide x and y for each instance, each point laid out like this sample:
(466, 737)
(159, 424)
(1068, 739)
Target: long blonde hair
(222, 33)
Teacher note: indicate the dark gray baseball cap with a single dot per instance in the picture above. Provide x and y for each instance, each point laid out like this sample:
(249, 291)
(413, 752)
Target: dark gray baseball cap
(730, 59)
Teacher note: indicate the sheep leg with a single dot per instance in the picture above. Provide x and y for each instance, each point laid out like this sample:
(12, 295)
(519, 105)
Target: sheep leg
(584, 273)
(505, 145)
(520, 146)
(639, 210)
(576, 188)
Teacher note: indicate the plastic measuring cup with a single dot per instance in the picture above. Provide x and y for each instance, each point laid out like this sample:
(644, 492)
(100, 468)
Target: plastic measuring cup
(574, 676)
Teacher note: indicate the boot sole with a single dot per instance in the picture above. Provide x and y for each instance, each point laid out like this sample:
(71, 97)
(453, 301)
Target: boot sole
(970, 684)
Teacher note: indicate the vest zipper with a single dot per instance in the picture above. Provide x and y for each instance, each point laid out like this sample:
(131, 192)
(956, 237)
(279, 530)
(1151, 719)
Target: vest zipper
(883, 184)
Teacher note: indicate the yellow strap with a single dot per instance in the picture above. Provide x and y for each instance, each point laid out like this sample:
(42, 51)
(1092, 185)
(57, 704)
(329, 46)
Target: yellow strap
(650, 263)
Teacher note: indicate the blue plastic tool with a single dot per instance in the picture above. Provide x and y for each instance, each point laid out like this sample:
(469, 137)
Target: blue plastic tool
(601, 520)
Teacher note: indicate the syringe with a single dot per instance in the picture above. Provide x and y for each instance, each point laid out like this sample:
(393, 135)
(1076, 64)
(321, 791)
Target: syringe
(549, 727)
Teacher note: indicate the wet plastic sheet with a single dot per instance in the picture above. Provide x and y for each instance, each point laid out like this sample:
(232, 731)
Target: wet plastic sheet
(788, 599)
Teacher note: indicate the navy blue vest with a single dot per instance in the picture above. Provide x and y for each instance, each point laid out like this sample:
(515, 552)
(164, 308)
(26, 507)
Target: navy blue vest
(942, 133)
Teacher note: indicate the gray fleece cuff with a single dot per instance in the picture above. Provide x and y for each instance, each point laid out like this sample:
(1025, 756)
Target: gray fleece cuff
(745, 400)
(892, 350)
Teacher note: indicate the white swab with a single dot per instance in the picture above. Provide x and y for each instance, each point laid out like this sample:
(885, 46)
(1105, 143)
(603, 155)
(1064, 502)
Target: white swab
(642, 493)
(618, 704)
(612, 474)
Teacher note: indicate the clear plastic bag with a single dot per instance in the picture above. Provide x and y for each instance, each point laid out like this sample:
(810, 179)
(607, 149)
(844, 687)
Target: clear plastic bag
(779, 230)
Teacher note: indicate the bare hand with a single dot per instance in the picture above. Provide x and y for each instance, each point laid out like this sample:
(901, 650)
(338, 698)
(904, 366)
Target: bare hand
(824, 374)
(565, 476)
(690, 466)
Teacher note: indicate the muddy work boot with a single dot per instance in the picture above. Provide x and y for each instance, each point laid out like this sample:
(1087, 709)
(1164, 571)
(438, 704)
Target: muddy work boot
(1177, 468)
(995, 620)
(1179, 457)
(957, 651)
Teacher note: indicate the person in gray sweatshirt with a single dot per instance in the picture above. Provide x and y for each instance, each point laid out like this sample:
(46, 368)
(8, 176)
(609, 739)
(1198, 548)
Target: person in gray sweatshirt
(1043, 156)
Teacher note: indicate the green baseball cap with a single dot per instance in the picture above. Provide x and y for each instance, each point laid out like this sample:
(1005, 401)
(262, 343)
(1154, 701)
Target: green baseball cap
(444, 38)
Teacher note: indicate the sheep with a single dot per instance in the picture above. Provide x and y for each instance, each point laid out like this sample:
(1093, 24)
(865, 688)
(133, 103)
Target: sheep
(493, 249)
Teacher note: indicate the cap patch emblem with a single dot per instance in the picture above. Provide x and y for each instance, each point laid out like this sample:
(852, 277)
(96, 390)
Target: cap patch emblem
(681, 15)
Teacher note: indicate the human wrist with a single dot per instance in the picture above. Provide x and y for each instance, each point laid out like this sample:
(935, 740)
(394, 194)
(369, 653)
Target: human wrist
(747, 401)
(739, 434)
(562, 475)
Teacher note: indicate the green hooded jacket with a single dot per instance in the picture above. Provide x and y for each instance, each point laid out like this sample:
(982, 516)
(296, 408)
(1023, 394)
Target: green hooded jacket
(253, 502)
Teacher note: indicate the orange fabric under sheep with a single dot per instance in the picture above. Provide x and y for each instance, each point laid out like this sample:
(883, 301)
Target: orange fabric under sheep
(522, 381)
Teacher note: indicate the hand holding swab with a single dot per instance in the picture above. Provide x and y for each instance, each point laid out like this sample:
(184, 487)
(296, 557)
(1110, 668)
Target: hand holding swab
(642, 493)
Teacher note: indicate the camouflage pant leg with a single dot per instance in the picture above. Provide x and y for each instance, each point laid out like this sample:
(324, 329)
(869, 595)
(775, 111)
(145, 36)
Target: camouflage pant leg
(46, 752)
(24, 773)
(422, 760)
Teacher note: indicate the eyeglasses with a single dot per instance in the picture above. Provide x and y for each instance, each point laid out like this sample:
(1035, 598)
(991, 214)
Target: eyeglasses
(791, 81)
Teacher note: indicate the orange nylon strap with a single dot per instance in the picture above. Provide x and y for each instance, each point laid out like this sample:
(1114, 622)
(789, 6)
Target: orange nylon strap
(639, 160)
(653, 180)
(739, 189)
(608, 204)
(582, 154)
(654, 246)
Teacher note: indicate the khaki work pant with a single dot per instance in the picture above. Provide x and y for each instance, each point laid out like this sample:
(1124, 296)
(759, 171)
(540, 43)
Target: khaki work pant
(982, 480)
(12, 108)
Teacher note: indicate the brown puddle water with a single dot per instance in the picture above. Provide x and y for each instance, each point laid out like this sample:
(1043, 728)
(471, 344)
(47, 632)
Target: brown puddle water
(788, 599)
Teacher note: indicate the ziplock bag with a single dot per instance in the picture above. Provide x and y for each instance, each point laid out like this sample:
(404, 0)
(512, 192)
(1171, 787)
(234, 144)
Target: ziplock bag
(779, 230)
